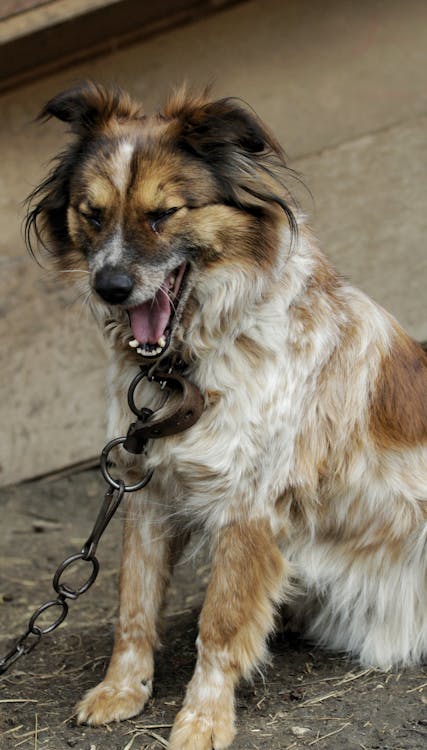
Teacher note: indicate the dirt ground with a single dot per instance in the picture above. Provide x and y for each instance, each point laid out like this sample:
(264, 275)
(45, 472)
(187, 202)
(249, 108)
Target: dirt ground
(305, 699)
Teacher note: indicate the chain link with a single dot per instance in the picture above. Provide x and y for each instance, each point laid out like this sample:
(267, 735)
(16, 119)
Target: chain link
(25, 644)
(112, 499)
(187, 410)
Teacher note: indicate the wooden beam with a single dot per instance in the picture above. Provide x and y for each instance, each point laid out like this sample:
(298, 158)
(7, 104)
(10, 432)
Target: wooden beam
(57, 33)
(12, 7)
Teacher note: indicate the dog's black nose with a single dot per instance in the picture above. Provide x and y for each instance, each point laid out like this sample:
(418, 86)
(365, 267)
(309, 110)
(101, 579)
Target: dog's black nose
(112, 285)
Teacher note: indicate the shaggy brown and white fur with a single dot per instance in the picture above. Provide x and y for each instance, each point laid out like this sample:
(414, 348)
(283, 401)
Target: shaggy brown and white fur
(308, 467)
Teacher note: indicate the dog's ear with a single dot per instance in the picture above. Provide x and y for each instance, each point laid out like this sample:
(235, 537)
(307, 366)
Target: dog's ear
(207, 128)
(90, 107)
(246, 159)
(220, 125)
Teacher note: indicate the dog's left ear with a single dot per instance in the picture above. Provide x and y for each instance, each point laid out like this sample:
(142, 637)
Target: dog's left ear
(209, 128)
(223, 124)
(245, 158)
(90, 106)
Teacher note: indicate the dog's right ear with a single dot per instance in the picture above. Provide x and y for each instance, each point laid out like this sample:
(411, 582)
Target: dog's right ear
(90, 107)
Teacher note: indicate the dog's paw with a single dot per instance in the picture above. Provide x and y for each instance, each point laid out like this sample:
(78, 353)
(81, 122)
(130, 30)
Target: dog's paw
(194, 730)
(109, 702)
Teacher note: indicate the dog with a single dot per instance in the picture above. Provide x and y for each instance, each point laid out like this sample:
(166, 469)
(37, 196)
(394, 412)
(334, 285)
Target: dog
(307, 471)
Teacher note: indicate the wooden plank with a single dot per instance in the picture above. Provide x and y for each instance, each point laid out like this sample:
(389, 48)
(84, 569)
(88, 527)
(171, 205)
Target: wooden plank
(12, 7)
(56, 34)
(48, 14)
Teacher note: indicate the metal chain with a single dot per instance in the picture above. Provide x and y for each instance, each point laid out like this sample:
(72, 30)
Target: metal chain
(112, 499)
(187, 409)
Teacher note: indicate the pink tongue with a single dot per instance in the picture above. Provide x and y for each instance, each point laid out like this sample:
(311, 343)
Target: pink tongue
(149, 320)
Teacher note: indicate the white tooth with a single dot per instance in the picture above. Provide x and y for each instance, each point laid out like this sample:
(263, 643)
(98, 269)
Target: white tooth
(134, 343)
(172, 280)
(145, 352)
(161, 342)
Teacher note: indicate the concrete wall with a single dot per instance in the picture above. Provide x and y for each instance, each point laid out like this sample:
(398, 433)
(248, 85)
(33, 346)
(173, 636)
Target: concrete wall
(343, 86)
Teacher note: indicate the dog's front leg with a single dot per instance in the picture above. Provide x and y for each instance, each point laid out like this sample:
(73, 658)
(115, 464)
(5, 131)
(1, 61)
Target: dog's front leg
(248, 580)
(149, 549)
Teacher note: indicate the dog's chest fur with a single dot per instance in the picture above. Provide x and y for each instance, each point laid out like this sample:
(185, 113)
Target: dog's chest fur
(282, 362)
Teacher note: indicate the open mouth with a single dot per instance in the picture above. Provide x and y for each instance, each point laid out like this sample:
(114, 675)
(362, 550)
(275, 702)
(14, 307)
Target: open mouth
(152, 321)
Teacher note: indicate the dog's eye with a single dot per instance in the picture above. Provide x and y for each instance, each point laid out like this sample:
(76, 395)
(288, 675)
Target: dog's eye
(156, 217)
(95, 220)
(93, 217)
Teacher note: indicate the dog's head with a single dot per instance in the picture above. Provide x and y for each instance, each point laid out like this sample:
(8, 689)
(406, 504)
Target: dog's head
(145, 205)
